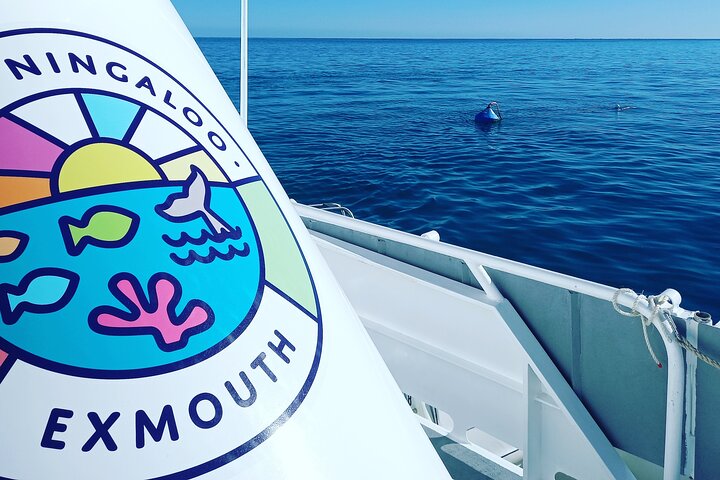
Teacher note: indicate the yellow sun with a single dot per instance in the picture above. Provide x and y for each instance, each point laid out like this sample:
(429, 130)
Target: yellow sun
(99, 164)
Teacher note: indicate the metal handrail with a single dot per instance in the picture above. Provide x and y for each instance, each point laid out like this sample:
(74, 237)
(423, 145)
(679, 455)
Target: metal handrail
(333, 207)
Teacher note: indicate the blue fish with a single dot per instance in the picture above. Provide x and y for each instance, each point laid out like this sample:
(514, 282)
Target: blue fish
(44, 290)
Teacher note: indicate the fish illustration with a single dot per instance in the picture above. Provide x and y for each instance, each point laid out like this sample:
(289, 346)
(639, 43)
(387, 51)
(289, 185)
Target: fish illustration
(103, 226)
(12, 245)
(192, 203)
(44, 290)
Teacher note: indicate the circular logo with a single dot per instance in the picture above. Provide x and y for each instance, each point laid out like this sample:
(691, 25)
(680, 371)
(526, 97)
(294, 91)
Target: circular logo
(128, 211)
(138, 240)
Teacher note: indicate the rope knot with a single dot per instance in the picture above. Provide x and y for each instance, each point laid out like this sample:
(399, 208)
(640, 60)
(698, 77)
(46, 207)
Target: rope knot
(646, 321)
(661, 305)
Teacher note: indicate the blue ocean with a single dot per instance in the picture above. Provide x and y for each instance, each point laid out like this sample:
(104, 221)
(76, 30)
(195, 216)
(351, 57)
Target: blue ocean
(628, 198)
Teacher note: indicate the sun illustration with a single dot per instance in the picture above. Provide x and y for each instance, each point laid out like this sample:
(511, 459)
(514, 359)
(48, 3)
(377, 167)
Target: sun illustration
(65, 142)
(99, 164)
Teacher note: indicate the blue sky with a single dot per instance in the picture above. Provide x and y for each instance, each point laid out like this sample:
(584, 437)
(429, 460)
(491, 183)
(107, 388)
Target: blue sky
(458, 18)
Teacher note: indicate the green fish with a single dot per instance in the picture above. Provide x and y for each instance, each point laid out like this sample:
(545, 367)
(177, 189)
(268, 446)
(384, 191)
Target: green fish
(103, 226)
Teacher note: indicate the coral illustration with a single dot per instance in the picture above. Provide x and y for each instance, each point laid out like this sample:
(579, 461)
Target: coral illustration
(155, 315)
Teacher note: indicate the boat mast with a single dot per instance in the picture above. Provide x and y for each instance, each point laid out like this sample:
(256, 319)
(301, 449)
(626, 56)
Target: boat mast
(244, 60)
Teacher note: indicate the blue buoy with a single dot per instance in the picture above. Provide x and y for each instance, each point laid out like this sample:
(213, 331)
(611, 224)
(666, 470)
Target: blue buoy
(489, 115)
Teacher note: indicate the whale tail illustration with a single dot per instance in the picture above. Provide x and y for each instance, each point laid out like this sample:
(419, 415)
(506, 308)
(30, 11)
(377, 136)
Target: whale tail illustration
(193, 200)
(192, 203)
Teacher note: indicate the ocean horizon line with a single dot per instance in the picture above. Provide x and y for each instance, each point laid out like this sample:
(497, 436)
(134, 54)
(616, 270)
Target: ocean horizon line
(571, 39)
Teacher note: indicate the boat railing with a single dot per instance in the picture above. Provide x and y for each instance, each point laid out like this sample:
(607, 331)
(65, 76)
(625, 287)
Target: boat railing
(396, 244)
(480, 261)
(333, 208)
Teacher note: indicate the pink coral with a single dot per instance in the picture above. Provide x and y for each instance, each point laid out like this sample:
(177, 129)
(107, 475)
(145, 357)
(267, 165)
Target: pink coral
(157, 316)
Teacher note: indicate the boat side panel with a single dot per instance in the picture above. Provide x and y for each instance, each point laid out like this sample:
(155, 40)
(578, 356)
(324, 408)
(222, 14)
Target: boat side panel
(600, 353)
(603, 356)
(448, 267)
(707, 421)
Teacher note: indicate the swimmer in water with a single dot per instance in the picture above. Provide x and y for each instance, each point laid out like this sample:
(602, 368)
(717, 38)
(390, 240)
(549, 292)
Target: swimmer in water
(619, 108)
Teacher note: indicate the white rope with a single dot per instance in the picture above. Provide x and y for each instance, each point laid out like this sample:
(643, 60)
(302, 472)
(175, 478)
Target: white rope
(659, 303)
(645, 321)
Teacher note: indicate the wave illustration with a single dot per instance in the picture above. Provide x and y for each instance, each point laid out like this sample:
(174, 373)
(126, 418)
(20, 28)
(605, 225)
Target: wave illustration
(213, 254)
(205, 236)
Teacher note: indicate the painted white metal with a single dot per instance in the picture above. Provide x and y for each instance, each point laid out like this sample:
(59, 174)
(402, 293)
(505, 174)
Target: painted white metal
(431, 235)
(244, 61)
(676, 362)
(691, 327)
(675, 405)
(495, 452)
(299, 425)
(472, 357)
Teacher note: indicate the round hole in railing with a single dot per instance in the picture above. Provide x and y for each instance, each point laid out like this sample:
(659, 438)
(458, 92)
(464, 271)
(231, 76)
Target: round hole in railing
(703, 317)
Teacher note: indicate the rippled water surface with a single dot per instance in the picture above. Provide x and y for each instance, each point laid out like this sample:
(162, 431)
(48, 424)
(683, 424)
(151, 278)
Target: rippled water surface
(385, 127)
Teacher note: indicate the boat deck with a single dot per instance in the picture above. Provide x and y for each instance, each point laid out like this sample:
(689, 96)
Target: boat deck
(463, 462)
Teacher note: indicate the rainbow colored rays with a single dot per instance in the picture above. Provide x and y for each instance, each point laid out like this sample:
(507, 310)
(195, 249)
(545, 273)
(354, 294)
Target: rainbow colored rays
(47, 144)
(25, 164)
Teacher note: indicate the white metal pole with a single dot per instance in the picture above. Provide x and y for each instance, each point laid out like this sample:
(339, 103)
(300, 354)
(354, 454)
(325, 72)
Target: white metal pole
(244, 61)
(691, 328)
(675, 405)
